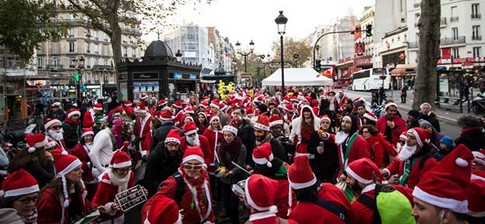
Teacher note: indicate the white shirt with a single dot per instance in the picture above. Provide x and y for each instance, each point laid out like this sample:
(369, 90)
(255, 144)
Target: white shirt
(102, 150)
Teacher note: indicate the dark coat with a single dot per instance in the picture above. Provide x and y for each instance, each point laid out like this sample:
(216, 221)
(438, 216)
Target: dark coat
(71, 133)
(161, 133)
(278, 150)
(325, 166)
(42, 174)
(159, 167)
(473, 138)
(433, 119)
(246, 134)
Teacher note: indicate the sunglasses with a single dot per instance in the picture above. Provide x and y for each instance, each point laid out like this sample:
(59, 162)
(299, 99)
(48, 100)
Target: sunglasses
(27, 200)
(123, 170)
(57, 127)
(193, 166)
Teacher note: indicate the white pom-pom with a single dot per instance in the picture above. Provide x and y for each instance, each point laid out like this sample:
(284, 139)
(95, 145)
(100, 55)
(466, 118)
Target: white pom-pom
(269, 164)
(384, 182)
(461, 162)
(66, 203)
(64, 152)
(273, 209)
(31, 150)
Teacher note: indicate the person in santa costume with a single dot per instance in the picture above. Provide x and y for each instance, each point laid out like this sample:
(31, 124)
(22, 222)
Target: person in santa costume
(214, 136)
(325, 164)
(262, 132)
(115, 180)
(191, 138)
(262, 203)
(314, 198)
(391, 125)
(20, 192)
(142, 130)
(196, 200)
(89, 116)
(102, 149)
(128, 108)
(476, 189)
(54, 133)
(380, 149)
(81, 151)
(440, 196)
(302, 129)
(413, 161)
(362, 177)
(63, 199)
(269, 166)
(280, 132)
(244, 131)
(159, 134)
(215, 107)
(71, 128)
(161, 209)
(35, 160)
(342, 98)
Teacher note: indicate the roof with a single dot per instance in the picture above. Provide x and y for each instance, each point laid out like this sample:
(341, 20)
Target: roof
(297, 77)
(158, 48)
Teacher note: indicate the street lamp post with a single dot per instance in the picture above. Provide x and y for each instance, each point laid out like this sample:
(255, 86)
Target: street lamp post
(79, 77)
(281, 21)
(244, 53)
(178, 55)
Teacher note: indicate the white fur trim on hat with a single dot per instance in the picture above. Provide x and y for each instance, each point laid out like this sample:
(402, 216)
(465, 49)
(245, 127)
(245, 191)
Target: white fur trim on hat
(122, 165)
(190, 132)
(368, 116)
(191, 157)
(479, 157)
(416, 136)
(448, 203)
(298, 186)
(52, 122)
(230, 128)
(264, 161)
(22, 191)
(170, 139)
(253, 204)
(357, 177)
(74, 113)
(56, 104)
(97, 108)
(260, 126)
(388, 105)
(277, 122)
(215, 105)
(213, 118)
(87, 133)
(70, 168)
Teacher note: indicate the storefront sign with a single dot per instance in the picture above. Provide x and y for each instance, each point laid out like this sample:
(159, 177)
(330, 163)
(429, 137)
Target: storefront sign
(363, 61)
(145, 75)
(192, 76)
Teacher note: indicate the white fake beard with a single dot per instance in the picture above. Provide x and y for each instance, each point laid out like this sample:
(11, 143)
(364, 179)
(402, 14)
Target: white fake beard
(406, 152)
(340, 137)
(57, 135)
(89, 143)
(194, 142)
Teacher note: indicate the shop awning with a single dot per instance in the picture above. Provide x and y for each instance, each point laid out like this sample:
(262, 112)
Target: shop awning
(404, 70)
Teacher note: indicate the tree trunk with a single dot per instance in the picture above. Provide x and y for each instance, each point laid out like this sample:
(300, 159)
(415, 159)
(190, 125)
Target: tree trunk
(115, 36)
(429, 42)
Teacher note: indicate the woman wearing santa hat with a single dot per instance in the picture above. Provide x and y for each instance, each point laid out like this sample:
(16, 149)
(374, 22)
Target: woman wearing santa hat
(303, 127)
(81, 151)
(117, 179)
(20, 192)
(35, 160)
(63, 199)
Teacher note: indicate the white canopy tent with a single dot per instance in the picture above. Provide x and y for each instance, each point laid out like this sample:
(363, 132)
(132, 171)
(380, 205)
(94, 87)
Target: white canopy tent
(297, 77)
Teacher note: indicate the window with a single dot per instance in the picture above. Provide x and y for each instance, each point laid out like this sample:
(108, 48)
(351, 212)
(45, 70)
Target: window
(476, 33)
(454, 30)
(88, 47)
(71, 47)
(56, 62)
(454, 14)
(40, 62)
(476, 11)
(456, 52)
(72, 62)
(477, 52)
(72, 32)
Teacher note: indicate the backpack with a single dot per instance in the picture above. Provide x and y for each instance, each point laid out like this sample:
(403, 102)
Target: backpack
(390, 206)
(180, 189)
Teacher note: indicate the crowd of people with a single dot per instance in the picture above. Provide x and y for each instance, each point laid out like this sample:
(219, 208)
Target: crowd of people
(305, 156)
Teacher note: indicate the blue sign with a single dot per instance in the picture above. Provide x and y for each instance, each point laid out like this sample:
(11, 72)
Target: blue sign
(193, 76)
(177, 75)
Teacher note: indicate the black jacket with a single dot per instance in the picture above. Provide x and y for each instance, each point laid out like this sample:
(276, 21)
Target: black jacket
(474, 139)
(324, 165)
(161, 133)
(433, 119)
(71, 133)
(278, 150)
(159, 167)
(246, 134)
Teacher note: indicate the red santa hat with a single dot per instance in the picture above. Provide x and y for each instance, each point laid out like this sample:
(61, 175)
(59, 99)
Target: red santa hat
(250, 111)
(98, 106)
(403, 135)
(51, 122)
(476, 198)
(203, 105)
(65, 163)
(341, 91)
(177, 104)
(259, 199)
(19, 183)
(173, 136)
(166, 115)
(72, 112)
(390, 104)
(370, 116)
(215, 104)
(479, 157)
(141, 108)
(300, 173)
(364, 170)
(325, 118)
(445, 184)
(190, 128)
(231, 129)
(422, 136)
(143, 97)
(262, 123)
(162, 102)
(193, 153)
(56, 104)
(275, 120)
(87, 131)
(259, 99)
(289, 107)
(263, 154)
(35, 141)
(128, 103)
(163, 210)
(120, 159)
(214, 117)
(189, 110)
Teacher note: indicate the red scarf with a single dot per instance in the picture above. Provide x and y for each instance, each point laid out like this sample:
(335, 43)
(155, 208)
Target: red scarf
(198, 183)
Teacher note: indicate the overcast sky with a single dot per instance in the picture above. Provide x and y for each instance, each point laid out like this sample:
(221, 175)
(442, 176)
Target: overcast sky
(247, 20)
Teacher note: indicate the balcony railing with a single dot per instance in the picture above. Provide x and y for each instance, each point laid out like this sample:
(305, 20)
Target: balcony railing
(476, 16)
(476, 37)
(443, 21)
(454, 19)
(453, 40)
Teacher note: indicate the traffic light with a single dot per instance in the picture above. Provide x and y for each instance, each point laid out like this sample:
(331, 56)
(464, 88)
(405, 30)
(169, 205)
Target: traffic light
(77, 77)
(318, 65)
(368, 30)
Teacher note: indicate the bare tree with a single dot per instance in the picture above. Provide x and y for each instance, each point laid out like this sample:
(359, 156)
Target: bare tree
(429, 42)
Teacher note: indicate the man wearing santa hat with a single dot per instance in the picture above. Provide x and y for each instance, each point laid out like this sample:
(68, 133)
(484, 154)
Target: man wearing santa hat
(342, 98)
(115, 180)
(163, 161)
(244, 130)
(413, 160)
(55, 133)
(216, 111)
(142, 130)
(476, 189)
(391, 125)
(20, 192)
(317, 202)
(89, 116)
(194, 199)
(56, 112)
(191, 138)
(161, 209)
(440, 197)
(71, 128)
(361, 177)
(262, 132)
(159, 134)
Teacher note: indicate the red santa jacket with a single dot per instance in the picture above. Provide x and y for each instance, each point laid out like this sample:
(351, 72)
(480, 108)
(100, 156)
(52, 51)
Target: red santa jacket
(82, 152)
(190, 213)
(400, 127)
(380, 149)
(281, 198)
(88, 119)
(361, 214)
(142, 131)
(214, 140)
(359, 148)
(309, 213)
(341, 101)
(106, 193)
(417, 172)
(268, 218)
(204, 145)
